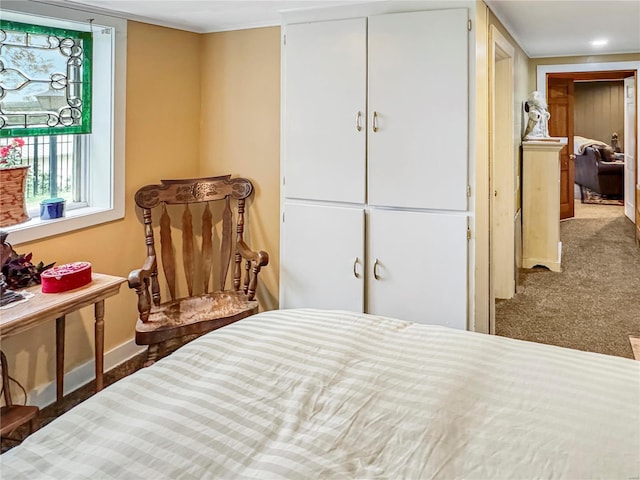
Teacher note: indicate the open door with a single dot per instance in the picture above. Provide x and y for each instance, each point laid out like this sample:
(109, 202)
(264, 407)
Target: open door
(560, 104)
(631, 187)
(502, 153)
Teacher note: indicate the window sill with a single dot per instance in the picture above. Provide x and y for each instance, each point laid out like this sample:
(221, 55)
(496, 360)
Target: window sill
(76, 219)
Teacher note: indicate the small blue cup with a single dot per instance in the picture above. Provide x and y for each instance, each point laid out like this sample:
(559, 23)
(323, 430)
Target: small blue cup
(52, 208)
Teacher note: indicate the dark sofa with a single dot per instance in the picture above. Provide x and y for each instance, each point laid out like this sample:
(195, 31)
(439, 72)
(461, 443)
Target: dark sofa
(603, 177)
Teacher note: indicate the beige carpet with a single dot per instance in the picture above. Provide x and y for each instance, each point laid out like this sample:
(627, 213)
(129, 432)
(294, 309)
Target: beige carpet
(635, 346)
(594, 303)
(584, 211)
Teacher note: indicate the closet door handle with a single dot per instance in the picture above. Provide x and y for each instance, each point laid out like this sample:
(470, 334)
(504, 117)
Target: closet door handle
(355, 271)
(358, 118)
(375, 270)
(374, 122)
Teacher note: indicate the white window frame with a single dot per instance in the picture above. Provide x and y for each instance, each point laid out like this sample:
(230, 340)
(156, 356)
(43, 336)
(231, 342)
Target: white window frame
(105, 187)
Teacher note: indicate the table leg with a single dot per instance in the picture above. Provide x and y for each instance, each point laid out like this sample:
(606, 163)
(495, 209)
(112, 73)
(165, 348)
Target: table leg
(60, 324)
(99, 344)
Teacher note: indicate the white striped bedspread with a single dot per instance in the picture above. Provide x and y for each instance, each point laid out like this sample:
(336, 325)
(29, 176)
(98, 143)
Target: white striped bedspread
(306, 394)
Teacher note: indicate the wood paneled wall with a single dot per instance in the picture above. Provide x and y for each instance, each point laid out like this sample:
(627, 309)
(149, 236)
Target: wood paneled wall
(599, 110)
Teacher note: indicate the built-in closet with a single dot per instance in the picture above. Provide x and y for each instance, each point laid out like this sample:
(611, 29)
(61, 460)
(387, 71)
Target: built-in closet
(375, 165)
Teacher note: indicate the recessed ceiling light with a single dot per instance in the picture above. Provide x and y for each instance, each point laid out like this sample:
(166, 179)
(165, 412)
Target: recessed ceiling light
(598, 43)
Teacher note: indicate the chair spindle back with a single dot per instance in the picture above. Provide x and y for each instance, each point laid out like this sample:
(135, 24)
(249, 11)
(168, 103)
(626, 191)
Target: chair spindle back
(198, 261)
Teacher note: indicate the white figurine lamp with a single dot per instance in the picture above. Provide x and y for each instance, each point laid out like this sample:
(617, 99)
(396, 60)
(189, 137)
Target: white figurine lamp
(536, 116)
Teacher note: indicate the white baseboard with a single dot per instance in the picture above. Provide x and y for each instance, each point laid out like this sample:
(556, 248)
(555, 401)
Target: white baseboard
(45, 395)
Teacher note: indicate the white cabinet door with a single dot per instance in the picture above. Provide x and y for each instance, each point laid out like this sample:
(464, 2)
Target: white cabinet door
(322, 257)
(418, 91)
(324, 111)
(417, 266)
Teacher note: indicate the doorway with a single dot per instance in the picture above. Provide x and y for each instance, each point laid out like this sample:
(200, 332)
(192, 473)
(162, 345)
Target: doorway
(562, 92)
(606, 71)
(497, 54)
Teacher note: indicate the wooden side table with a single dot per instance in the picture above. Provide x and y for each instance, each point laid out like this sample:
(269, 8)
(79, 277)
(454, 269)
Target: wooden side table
(43, 307)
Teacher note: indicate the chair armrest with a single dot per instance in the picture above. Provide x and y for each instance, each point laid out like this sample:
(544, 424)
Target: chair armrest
(610, 168)
(136, 277)
(260, 257)
(139, 280)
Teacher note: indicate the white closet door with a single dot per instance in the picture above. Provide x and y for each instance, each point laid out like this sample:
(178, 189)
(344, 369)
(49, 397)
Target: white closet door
(324, 106)
(418, 91)
(421, 266)
(322, 264)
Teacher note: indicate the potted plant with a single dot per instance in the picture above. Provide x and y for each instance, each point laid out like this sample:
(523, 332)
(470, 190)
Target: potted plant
(17, 271)
(20, 273)
(13, 182)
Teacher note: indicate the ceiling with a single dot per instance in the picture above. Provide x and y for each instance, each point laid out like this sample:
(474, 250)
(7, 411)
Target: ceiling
(558, 28)
(542, 28)
(205, 16)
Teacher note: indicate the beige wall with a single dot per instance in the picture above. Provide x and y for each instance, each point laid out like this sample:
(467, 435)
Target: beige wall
(241, 132)
(162, 141)
(598, 109)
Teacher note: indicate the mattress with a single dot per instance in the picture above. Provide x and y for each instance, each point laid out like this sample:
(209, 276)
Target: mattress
(304, 394)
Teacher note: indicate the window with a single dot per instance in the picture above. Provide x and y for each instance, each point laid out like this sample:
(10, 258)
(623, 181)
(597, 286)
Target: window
(46, 80)
(86, 169)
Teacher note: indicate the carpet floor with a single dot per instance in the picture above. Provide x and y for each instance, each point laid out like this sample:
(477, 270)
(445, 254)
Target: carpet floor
(594, 303)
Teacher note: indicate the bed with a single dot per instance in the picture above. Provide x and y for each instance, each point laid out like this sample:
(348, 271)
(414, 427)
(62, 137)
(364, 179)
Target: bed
(303, 394)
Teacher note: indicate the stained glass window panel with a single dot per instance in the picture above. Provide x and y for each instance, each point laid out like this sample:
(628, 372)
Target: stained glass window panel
(45, 80)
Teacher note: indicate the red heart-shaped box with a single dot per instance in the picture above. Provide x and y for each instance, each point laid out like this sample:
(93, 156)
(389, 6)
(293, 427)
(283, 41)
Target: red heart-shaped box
(65, 277)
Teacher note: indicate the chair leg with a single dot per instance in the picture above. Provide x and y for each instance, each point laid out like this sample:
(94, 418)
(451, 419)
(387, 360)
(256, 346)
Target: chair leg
(152, 355)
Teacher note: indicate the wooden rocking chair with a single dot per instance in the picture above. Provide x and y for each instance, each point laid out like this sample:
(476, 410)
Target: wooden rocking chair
(184, 318)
